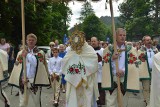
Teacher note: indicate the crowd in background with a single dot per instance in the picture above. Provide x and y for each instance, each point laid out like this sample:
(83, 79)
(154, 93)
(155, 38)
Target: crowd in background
(63, 48)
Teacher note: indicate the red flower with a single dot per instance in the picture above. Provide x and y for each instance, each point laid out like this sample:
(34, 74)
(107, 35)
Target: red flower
(142, 57)
(143, 60)
(139, 57)
(71, 69)
(41, 59)
(106, 60)
(20, 61)
(131, 55)
(104, 57)
(108, 54)
(131, 61)
(39, 54)
(77, 70)
(134, 58)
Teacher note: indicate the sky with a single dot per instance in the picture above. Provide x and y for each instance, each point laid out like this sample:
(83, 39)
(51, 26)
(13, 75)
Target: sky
(99, 9)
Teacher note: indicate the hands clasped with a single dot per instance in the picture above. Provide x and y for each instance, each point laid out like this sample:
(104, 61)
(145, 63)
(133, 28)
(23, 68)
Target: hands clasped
(120, 73)
(54, 77)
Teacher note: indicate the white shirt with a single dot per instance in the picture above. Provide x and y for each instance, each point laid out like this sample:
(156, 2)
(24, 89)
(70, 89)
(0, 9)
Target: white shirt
(121, 61)
(99, 73)
(150, 55)
(31, 64)
(54, 65)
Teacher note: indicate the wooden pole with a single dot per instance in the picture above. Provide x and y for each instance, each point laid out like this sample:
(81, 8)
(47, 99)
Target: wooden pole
(23, 43)
(119, 96)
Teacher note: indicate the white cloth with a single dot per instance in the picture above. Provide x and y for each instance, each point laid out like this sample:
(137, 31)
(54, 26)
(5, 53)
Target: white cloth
(54, 65)
(4, 47)
(155, 82)
(112, 99)
(121, 61)
(3, 64)
(35, 97)
(4, 60)
(31, 63)
(82, 95)
(150, 55)
(68, 48)
(3, 96)
(87, 56)
(99, 73)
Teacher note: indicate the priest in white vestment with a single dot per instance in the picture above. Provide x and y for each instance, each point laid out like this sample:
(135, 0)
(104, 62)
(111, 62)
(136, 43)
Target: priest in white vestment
(155, 82)
(80, 69)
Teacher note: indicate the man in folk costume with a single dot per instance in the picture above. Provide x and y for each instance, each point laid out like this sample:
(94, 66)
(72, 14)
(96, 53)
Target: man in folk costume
(80, 67)
(3, 76)
(54, 66)
(99, 51)
(155, 82)
(128, 73)
(37, 75)
(145, 56)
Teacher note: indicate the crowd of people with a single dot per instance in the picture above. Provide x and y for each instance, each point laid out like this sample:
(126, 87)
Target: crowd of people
(89, 76)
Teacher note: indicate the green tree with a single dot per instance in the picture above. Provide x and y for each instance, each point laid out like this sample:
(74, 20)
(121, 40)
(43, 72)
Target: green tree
(136, 15)
(86, 10)
(156, 15)
(92, 26)
(49, 21)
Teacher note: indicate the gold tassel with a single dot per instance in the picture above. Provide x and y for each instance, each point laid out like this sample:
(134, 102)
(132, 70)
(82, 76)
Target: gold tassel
(34, 5)
(6, 1)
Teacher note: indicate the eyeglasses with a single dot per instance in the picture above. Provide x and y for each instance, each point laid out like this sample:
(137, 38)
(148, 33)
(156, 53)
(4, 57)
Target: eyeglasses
(55, 52)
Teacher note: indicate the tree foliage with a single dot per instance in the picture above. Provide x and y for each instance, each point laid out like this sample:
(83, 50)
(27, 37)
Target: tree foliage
(140, 17)
(92, 26)
(86, 10)
(48, 22)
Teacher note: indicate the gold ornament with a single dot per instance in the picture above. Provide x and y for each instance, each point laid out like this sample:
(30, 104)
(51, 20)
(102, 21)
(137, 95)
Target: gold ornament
(77, 40)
